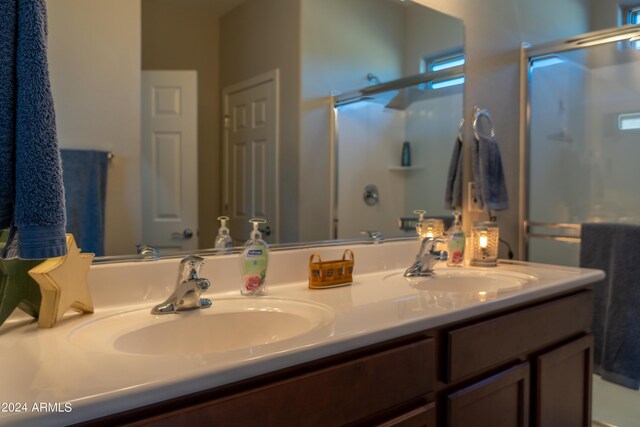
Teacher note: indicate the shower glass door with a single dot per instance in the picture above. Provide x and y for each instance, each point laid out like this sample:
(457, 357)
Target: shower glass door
(584, 146)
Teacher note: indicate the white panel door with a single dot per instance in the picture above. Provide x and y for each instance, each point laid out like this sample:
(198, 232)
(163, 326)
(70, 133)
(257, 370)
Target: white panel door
(251, 153)
(170, 159)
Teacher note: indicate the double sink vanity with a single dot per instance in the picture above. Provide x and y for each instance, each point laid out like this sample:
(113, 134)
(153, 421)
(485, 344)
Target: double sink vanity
(499, 346)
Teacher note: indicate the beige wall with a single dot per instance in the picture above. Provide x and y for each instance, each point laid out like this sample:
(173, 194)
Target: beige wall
(429, 32)
(494, 30)
(94, 61)
(257, 37)
(180, 35)
(606, 13)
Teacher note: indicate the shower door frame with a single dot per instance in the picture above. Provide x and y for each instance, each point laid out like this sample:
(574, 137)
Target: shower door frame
(527, 55)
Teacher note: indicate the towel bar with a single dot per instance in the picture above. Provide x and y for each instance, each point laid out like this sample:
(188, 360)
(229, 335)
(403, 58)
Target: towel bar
(566, 239)
(477, 113)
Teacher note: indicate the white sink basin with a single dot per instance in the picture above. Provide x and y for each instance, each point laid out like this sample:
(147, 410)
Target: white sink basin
(466, 280)
(230, 324)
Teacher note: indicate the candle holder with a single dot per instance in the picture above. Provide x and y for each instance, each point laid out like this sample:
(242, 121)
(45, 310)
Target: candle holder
(485, 237)
(432, 227)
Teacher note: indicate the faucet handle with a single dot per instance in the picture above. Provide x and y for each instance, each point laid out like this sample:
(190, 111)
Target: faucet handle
(189, 268)
(377, 236)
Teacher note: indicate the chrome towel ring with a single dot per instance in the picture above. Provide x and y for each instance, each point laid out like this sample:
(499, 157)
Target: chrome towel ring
(476, 118)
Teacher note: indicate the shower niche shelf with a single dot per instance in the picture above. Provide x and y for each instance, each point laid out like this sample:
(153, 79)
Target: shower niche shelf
(404, 168)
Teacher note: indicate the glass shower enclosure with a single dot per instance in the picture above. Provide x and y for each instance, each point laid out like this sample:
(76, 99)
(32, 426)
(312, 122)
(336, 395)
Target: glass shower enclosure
(581, 159)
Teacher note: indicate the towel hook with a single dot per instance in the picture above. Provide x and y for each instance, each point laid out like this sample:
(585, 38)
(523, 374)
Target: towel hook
(476, 117)
(460, 130)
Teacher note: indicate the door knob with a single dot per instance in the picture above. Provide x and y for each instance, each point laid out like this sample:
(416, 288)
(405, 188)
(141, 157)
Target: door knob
(186, 234)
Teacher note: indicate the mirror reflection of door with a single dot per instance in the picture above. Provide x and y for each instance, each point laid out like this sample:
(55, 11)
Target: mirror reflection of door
(169, 160)
(250, 151)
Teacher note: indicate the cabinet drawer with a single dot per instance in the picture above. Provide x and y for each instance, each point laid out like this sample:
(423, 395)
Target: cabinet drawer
(489, 343)
(336, 395)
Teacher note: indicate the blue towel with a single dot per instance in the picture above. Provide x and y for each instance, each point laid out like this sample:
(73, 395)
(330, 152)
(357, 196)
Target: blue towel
(8, 22)
(37, 201)
(488, 174)
(85, 190)
(614, 248)
(453, 192)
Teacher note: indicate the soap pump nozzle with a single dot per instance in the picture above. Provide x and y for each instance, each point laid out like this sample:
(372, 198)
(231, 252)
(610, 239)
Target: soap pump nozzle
(456, 219)
(223, 239)
(255, 233)
(421, 214)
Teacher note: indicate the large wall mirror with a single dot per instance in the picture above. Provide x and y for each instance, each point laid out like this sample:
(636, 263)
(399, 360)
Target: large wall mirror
(228, 107)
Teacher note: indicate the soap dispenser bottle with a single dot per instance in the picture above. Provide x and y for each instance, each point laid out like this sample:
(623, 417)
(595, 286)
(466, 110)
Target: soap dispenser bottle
(420, 222)
(455, 242)
(223, 239)
(254, 261)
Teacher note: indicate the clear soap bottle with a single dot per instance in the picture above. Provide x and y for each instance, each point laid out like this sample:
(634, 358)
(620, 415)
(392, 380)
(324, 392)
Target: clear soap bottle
(419, 224)
(223, 239)
(254, 261)
(456, 242)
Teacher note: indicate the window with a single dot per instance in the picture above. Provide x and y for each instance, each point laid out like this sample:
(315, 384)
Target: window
(443, 62)
(545, 61)
(631, 14)
(435, 65)
(442, 83)
(440, 64)
(629, 121)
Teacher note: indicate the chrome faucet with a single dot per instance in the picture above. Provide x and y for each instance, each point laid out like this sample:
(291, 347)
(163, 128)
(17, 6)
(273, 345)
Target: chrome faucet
(426, 258)
(375, 235)
(186, 296)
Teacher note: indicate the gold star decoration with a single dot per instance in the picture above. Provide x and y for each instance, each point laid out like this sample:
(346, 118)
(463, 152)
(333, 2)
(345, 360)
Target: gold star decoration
(63, 283)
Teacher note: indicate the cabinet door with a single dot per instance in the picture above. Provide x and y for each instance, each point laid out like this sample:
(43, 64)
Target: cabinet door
(563, 384)
(501, 400)
(424, 416)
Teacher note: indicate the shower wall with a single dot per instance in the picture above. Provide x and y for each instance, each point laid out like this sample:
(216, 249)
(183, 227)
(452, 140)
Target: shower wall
(582, 168)
(369, 144)
(369, 152)
(432, 129)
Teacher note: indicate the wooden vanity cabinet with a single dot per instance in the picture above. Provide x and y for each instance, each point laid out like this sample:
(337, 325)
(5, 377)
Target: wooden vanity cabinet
(529, 365)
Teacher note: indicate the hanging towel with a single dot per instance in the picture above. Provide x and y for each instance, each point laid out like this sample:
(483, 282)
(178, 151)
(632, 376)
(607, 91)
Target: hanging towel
(453, 192)
(488, 174)
(85, 189)
(37, 215)
(614, 248)
(8, 22)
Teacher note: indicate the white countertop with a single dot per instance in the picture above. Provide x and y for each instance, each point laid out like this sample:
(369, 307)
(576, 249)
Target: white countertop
(78, 383)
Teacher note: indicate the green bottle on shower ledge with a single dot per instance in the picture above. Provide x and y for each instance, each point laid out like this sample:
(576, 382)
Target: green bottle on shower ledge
(456, 242)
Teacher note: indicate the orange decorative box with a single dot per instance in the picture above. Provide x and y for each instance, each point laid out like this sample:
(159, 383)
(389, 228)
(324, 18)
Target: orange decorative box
(330, 274)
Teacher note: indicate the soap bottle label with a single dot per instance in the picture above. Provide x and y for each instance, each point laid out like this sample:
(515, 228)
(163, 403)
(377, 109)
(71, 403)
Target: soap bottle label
(254, 270)
(456, 249)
